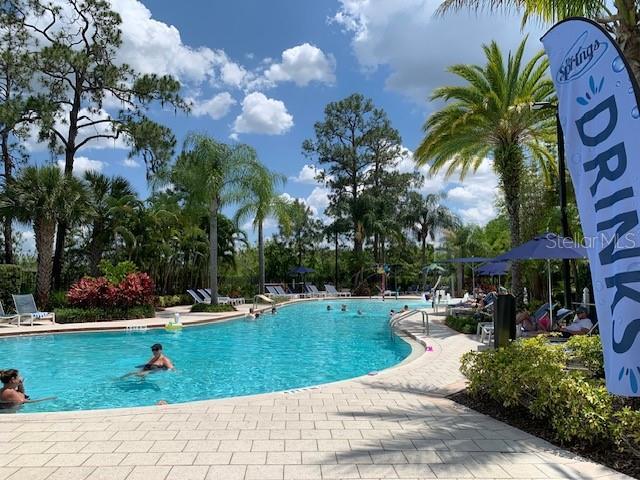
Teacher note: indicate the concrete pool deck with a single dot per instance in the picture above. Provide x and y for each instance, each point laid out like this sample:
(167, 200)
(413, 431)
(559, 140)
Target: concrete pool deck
(396, 424)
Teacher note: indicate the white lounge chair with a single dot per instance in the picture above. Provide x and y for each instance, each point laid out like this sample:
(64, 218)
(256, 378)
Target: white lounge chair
(7, 319)
(196, 297)
(331, 290)
(313, 290)
(280, 291)
(26, 307)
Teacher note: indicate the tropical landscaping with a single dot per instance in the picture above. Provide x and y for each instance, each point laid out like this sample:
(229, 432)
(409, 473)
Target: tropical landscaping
(214, 214)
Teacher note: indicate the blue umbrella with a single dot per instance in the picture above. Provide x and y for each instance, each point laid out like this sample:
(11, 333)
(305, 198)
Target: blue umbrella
(494, 268)
(547, 246)
(300, 270)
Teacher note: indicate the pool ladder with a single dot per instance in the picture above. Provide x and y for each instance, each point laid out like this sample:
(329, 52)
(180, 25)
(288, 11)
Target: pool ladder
(395, 320)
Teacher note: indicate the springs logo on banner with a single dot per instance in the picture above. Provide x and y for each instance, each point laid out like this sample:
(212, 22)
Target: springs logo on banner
(598, 109)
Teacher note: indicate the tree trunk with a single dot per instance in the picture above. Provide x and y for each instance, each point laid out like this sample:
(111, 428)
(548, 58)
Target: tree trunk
(335, 272)
(261, 257)
(376, 248)
(460, 277)
(357, 253)
(95, 252)
(44, 231)
(213, 251)
(8, 178)
(424, 251)
(510, 169)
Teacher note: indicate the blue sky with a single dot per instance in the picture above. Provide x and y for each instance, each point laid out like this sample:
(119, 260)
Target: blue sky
(261, 72)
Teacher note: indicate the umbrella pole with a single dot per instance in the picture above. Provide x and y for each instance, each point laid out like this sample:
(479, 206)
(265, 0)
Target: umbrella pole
(473, 279)
(550, 296)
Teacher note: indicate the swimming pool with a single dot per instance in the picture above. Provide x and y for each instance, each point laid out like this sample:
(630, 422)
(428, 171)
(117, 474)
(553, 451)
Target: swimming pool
(302, 345)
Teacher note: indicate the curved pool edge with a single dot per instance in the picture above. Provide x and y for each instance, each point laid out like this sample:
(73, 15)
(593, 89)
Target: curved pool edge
(417, 349)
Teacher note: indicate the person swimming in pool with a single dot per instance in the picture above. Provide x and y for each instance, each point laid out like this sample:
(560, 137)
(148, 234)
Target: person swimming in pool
(12, 393)
(328, 308)
(157, 362)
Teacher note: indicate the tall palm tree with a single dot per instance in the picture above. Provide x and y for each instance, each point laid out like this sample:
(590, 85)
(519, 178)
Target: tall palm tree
(620, 17)
(490, 117)
(264, 202)
(210, 175)
(427, 217)
(108, 199)
(42, 197)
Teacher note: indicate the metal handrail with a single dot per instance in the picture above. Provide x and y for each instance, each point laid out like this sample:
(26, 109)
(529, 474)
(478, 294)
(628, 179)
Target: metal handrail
(393, 322)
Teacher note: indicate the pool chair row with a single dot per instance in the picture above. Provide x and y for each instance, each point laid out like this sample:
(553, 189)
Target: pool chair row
(25, 309)
(203, 295)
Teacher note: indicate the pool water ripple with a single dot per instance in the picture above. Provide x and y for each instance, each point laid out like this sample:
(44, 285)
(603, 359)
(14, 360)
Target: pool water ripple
(302, 345)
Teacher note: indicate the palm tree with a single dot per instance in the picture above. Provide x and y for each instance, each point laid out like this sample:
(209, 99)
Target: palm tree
(490, 117)
(109, 198)
(427, 216)
(619, 17)
(210, 175)
(264, 202)
(44, 196)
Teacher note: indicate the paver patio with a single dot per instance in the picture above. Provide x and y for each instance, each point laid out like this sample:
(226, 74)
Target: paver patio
(395, 424)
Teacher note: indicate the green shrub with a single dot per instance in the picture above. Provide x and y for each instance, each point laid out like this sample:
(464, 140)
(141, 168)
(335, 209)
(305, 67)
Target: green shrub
(83, 315)
(118, 272)
(205, 307)
(165, 301)
(586, 350)
(10, 283)
(462, 324)
(58, 299)
(531, 374)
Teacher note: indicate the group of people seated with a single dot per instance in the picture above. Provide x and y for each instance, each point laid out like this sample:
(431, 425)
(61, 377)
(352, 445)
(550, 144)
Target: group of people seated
(535, 324)
(13, 395)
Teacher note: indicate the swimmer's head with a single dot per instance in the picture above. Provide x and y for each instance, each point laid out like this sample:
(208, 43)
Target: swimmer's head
(156, 348)
(7, 376)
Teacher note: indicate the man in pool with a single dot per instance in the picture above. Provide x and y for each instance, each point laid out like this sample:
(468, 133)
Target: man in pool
(328, 308)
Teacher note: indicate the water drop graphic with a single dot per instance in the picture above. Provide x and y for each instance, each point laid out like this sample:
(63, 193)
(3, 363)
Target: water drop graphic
(634, 112)
(599, 286)
(618, 83)
(618, 65)
(575, 158)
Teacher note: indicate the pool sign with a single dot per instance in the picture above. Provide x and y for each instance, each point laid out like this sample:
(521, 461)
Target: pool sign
(598, 110)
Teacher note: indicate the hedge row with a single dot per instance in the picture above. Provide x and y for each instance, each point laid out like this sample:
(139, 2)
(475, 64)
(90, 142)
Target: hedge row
(82, 315)
(561, 385)
(205, 307)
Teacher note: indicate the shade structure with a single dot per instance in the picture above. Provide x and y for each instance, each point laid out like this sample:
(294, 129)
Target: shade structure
(300, 270)
(547, 246)
(471, 260)
(467, 260)
(494, 268)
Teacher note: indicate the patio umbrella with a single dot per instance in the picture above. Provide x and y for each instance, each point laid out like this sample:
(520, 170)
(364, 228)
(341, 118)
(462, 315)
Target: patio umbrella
(302, 271)
(472, 261)
(547, 246)
(494, 268)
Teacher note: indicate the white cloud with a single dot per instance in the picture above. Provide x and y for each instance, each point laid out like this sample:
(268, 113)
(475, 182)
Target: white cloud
(216, 107)
(318, 201)
(262, 115)
(308, 174)
(152, 46)
(230, 72)
(83, 164)
(303, 64)
(405, 37)
(131, 163)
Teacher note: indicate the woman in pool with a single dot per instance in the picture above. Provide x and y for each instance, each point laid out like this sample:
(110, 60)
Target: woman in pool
(157, 362)
(12, 393)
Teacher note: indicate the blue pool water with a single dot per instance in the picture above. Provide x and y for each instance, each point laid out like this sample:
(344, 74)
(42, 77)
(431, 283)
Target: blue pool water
(301, 345)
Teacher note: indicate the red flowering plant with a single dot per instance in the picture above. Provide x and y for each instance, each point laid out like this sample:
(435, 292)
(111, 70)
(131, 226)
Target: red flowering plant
(91, 292)
(134, 290)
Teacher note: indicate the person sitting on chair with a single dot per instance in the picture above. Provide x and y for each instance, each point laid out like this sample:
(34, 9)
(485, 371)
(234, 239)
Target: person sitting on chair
(581, 325)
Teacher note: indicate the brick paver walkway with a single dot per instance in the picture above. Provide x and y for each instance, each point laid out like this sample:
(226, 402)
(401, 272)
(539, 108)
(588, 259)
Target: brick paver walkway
(392, 425)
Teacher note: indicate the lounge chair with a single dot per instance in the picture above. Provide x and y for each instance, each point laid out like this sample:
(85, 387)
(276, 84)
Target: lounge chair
(222, 299)
(196, 297)
(313, 290)
(271, 290)
(331, 290)
(7, 319)
(206, 293)
(26, 307)
(280, 292)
